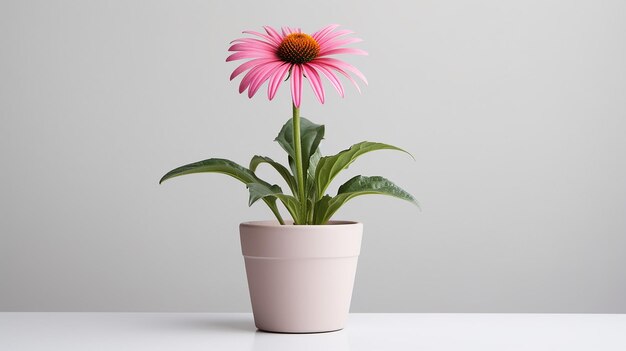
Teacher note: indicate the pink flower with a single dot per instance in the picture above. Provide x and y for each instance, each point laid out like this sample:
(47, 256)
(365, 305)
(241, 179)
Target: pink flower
(276, 54)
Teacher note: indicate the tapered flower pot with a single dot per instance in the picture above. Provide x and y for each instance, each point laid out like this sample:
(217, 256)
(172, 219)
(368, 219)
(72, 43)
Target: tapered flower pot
(300, 276)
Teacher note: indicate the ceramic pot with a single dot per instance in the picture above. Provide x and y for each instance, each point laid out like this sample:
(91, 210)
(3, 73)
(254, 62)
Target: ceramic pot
(300, 276)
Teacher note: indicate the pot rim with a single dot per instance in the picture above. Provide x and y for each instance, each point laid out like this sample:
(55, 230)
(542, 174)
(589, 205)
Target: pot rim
(289, 224)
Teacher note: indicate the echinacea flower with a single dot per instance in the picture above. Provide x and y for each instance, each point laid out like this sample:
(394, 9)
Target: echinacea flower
(298, 54)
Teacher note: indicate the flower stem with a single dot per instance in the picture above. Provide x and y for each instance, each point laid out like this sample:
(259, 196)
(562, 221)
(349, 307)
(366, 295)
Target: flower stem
(299, 170)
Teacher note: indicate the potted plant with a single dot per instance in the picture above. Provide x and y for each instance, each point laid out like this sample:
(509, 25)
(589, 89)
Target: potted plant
(300, 272)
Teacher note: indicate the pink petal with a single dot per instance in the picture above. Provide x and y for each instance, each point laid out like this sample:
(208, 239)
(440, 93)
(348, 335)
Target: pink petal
(262, 76)
(342, 42)
(247, 65)
(250, 47)
(268, 37)
(324, 31)
(276, 80)
(249, 54)
(287, 31)
(334, 44)
(274, 34)
(296, 85)
(353, 51)
(334, 35)
(358, 88)
(255, 43)
(250, 76)
(343, 65)
(338, 69)
(315, 81)
(331, 77)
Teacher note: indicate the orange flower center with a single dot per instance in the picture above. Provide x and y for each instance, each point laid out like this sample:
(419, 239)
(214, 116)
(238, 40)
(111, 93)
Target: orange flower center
(298, 48)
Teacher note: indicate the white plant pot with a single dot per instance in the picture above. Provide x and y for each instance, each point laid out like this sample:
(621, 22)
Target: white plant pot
(300, 276)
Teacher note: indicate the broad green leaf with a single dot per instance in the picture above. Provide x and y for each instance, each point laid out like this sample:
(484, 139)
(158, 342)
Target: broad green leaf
(311, 135)
(265, 192)
(284, 172)
(293, 206)
(321, 213)
(219, 165)
(329, 166)
(313, 162)
(357, 186)
(310, 176)
(214, 165)
(259, 191)
(310, 185)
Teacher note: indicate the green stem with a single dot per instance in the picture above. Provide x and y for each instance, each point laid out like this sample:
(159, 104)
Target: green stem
(299, 171)
(277, 214)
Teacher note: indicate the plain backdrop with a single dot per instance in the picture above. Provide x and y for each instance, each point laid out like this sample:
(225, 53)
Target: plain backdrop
(515, 112)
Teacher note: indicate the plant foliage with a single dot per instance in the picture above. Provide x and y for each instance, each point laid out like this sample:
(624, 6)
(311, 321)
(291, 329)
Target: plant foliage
(316, 207)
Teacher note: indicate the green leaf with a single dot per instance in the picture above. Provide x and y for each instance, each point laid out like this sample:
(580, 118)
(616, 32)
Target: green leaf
(310, 185)
(321, 213)
(329, 166)
(357, 186)
(310, 176)
(284, 172)
(219, 165)
(214, 165)
(261, 191)
(313, 162)
(311, 135)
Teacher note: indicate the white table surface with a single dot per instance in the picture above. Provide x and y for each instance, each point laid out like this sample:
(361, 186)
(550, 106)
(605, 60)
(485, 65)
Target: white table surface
(370, 331)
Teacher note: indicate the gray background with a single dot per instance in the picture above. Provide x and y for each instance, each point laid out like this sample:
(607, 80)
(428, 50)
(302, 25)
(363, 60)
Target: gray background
(515, 112)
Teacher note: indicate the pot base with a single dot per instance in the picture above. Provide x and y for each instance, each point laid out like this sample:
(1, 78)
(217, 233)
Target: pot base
(302, 332)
